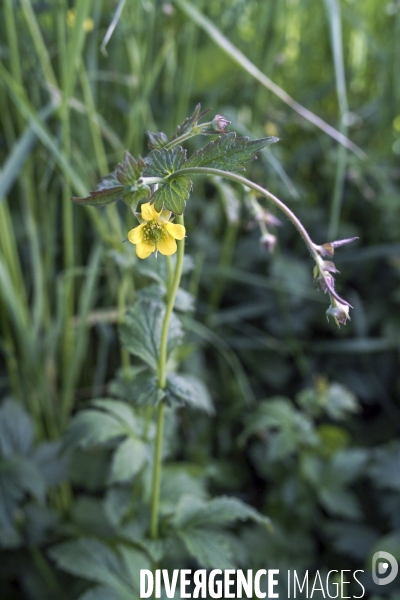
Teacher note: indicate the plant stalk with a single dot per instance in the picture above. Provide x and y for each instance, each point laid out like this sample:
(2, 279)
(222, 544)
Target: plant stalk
(260, 190)
(162, 380)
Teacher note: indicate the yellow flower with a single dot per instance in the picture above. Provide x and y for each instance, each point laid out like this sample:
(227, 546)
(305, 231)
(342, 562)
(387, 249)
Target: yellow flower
(155, 233)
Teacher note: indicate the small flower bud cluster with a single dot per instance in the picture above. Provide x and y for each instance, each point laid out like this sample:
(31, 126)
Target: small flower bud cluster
(324, 278)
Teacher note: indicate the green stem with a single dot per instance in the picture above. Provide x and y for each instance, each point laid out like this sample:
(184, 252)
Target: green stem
(260, 190)
(162, 380)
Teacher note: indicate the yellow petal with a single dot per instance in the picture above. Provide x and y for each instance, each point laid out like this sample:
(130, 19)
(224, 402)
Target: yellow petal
(135, 236)
(177, 231)
(144, 249)
(149, 213)
(167, 245)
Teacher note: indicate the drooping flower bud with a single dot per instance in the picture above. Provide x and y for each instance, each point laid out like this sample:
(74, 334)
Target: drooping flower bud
(219, 123)
(339, 311)
(328, 249)
(268, 240)
(323, 275)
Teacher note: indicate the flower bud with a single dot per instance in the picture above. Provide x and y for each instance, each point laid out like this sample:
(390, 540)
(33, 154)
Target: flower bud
(268, 218)
(322, 275)
(157, 140)
(268, 240)
(339, 311)
(219, 123)
(328, 249)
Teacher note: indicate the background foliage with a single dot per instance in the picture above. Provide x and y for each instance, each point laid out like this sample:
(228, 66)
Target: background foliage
(305, 425)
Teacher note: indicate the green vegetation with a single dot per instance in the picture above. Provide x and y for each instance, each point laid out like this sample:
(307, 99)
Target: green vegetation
(224, 423)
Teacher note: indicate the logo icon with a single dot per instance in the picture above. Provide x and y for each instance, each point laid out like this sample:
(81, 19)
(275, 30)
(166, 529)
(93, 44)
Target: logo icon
(386, 561)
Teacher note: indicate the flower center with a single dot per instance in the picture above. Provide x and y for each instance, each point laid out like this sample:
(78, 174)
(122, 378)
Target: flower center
(153, 232)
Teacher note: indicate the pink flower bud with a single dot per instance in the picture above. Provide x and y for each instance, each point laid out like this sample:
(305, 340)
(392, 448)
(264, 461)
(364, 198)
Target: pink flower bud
(219, 123)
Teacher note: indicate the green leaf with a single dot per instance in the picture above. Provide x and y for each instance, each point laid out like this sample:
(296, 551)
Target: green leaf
(138, 386)
(131, 197)
(16, 429)
(228, 152)
(129, 170)
(173, 195)
(155, 270)
(184, 301)
(127, 461)
(210, 548)
(145, 390)
(95, 561)
(52, 465)
(141, 331)
(134, 560)
(92, 427)
(18, 476)
(193, 512)
(101, 197)
(119, 410)
(164, 162)
(187, 389)
(289, 428)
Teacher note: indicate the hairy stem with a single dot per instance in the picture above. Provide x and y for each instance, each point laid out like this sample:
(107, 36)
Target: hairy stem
(260, 190)
(162, 380)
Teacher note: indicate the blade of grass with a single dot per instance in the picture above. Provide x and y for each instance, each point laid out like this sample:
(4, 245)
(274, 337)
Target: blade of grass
(112, 26)
(333, 9)
(22, 148)
(86, 302)
(39, 43)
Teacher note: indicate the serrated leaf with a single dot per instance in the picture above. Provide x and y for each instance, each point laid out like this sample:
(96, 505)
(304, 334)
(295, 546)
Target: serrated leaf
(141, 331)
(145, 390)
(173, 195)
(187, 389)
(127, 461)
(164, 162)
(154, 269)
(210, 548)
(134, 561)
(139, 387)
(93, 427)
(16, 429)
(120, 410)
(95, 561)
(154, 292)
(117, 503)
(184, 301)
(129, 170)
(192, 512)
(101, 197)
(228, 152)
